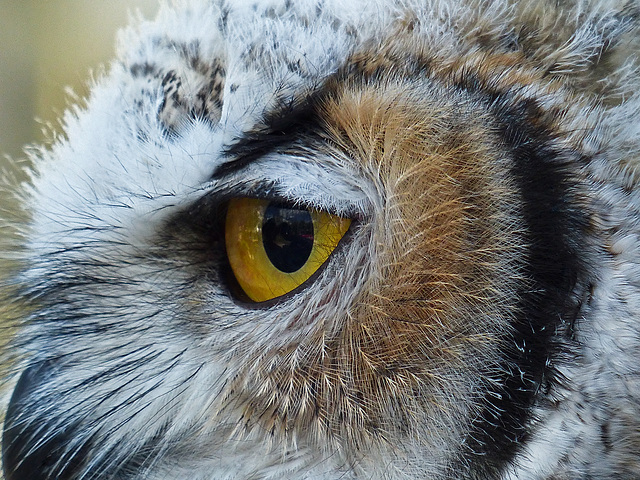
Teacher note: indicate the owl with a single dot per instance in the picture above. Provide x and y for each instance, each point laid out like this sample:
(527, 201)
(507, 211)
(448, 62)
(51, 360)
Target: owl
(320, 239)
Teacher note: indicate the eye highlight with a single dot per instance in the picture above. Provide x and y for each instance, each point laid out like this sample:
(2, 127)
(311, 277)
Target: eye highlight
(274, 248)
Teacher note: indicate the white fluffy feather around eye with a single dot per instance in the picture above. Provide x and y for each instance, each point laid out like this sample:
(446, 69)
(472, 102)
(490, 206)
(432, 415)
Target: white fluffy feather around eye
(319, 240)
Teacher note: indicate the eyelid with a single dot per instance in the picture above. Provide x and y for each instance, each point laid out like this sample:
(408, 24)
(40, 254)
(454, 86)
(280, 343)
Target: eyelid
(295, 180)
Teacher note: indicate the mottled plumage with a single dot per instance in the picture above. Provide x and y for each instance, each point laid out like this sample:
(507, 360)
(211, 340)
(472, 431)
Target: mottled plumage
(480, 319)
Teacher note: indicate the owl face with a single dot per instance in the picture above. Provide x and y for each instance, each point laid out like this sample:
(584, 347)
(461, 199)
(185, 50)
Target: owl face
(319, 241)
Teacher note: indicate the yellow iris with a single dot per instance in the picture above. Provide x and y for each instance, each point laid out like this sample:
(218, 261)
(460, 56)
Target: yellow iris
(273, 249)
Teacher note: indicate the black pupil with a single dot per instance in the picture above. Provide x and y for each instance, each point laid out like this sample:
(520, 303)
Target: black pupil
(287, 235)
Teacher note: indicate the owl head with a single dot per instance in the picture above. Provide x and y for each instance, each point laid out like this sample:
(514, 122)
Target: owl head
(338, 240)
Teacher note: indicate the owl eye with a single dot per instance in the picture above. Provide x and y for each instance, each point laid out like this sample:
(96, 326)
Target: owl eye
(273, 248)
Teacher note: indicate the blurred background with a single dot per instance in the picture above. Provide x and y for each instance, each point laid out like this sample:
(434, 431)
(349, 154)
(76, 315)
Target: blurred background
(47, 46)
